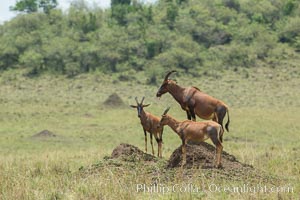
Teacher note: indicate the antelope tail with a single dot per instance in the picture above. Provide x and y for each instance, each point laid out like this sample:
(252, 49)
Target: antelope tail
(228, 121)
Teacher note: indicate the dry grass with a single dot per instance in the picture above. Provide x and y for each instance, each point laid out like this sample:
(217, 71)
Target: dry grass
(264, 127)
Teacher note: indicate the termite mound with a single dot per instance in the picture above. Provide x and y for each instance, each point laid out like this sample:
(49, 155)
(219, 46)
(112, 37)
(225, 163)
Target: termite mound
(202, 156)
(114, 101)
(44, 134)
(127, 152)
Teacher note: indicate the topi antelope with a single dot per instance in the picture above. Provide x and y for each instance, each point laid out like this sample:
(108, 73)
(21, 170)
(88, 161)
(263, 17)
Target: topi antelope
(196, 132)
(195, 102)
(150, 124)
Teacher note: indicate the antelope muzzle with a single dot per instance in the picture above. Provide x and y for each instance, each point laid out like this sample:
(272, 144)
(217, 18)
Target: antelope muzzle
(139, 108)
(158, 94)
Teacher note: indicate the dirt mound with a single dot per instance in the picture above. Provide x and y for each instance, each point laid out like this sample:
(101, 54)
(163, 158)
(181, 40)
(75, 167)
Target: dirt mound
(44, 134)
(129, 152)
(114, 101)
(202, 156)
(130, 160)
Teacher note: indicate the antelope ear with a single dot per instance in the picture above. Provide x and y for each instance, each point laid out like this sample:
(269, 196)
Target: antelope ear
(132, 106)
(146, 105)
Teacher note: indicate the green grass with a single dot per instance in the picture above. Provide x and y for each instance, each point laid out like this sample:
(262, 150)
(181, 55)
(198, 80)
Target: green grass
(264, 132)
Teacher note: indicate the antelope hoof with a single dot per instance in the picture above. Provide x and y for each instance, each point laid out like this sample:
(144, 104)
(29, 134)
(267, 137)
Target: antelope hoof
(219, 166)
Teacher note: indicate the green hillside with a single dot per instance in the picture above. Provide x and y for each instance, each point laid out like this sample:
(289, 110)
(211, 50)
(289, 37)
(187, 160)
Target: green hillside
(184, 34)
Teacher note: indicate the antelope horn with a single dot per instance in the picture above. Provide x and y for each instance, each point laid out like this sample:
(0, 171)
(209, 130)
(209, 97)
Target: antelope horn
(142, 100)
(136, 100)
(167, 110)
(169, 73)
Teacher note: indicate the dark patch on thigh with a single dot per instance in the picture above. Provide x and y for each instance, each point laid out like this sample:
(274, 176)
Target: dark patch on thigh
(213, 134)
(221, 111)
(221, 108)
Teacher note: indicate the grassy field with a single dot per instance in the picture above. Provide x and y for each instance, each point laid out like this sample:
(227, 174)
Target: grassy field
(264, 132)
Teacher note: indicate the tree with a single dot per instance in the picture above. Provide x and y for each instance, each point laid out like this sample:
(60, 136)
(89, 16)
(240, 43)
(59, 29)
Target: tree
(30, 6)
(48, 5)
(27, 6)
(82, 19)
(119, 10)
(118, 2)
(172, 13)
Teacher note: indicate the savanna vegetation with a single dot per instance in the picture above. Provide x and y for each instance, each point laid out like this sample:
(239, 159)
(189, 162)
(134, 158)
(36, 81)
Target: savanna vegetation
(132, 36)
(57, 68)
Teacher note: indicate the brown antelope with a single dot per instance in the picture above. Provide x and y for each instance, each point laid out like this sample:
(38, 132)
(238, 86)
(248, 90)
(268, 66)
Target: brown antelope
(196, 132)
(194, 101)
(150, 124)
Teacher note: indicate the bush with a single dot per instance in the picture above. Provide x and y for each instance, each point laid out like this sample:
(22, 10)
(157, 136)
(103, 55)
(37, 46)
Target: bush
(32, 59)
